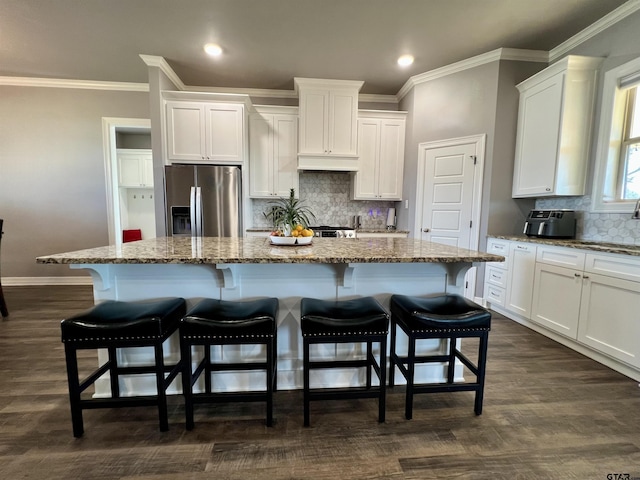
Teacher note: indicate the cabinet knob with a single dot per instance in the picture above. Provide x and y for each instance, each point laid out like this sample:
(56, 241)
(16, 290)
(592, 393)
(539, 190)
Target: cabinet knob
(548, 189)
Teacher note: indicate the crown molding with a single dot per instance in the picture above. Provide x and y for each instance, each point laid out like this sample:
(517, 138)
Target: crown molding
(252, 92)
(595, 28)
(478, 60)
(161, 63)
(78, 84)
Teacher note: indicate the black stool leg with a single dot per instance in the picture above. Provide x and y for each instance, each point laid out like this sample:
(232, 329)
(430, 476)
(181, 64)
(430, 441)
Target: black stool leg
(305, 374)
(207, 367)
(411, 360)
(392, 355)
(74, 390)
(270, 375)
(452, 360)
(275, 361)
(187, 382)
(482, 362)
(113, 372)
(383, 380)
(160, 385)
(370, 360)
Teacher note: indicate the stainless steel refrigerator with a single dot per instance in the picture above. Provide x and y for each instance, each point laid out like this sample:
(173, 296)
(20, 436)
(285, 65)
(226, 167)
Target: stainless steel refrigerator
(203, 200)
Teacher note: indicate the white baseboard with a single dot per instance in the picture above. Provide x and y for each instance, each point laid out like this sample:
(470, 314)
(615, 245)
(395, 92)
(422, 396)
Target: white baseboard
(34, 281)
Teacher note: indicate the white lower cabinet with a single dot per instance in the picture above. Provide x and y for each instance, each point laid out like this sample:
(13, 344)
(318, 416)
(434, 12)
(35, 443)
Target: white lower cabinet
(609, 320)
(558, 270)
(522, 261)
(587, 301)
(560, 316)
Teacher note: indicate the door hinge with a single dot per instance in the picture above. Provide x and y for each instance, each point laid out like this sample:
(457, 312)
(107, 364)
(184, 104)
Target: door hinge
(475, 159)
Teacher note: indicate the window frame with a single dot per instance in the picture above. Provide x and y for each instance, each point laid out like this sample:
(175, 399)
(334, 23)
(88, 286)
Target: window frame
(605, 198)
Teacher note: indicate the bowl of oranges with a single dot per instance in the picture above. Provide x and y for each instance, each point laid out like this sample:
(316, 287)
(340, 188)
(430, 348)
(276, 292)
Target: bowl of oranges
(299, 235)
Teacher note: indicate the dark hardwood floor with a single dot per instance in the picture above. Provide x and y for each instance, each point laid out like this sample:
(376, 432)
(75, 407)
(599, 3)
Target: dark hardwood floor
(548, 413)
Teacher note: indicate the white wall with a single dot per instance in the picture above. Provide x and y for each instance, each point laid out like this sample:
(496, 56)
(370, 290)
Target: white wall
(52, 177)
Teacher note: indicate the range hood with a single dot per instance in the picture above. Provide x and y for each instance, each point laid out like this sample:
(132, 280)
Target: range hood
(328, 163)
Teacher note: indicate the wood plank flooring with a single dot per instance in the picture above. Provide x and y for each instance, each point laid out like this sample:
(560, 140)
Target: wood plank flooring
(549, 413)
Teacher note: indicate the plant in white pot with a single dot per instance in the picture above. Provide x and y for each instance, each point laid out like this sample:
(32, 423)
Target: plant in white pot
(290, 215)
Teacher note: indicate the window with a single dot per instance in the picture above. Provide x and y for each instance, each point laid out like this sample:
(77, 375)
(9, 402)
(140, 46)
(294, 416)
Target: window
(617, 174)
(629, 179)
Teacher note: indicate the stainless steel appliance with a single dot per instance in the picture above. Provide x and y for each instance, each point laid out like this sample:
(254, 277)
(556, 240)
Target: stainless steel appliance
(203, 200)
(551, 224)
(333, 232)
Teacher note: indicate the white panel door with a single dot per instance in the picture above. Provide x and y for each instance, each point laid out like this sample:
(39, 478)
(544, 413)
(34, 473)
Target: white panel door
(448, 195)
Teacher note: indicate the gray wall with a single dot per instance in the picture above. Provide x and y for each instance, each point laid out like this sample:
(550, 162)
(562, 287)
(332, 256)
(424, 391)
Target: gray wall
(480, 100)
(617, 45)
(52, 175)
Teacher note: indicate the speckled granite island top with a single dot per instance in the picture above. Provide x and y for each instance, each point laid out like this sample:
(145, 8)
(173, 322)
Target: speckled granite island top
(211, 250)
(603, 247)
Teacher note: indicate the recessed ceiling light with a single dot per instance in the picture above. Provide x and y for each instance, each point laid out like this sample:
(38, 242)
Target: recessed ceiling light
(213, 49)
(405, 60)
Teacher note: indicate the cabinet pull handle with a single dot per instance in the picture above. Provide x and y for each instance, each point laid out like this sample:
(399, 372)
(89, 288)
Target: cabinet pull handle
(425, 230)
(576, 274)
(586, 276)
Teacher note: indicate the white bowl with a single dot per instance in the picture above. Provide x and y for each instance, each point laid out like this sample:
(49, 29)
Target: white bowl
(303, 240)
(282, 240)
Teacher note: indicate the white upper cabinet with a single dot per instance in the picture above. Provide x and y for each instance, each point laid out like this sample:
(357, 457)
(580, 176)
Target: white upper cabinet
(205, 132)
(273, 152)
(381, 138)
(328, 124)
(554, 129)
(135, 168)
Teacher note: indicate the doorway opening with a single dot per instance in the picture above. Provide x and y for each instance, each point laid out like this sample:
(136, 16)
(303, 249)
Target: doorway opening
(129, 174)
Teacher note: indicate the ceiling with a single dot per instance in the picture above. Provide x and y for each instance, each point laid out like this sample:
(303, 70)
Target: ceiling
(268, 42)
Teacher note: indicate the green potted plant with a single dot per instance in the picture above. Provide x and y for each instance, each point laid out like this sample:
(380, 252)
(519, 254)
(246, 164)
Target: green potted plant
(287, 213)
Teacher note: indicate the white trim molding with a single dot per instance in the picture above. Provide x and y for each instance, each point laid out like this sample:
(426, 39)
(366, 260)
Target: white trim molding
(34, 281)
(79, 84)
(161, 63)
(478, 60)
(595, 28)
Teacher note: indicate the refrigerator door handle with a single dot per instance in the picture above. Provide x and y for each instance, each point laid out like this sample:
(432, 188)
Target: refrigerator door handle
(192, 210)
(199, 217)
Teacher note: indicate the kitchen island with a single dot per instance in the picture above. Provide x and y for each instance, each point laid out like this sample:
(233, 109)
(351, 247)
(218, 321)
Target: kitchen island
(247, 268)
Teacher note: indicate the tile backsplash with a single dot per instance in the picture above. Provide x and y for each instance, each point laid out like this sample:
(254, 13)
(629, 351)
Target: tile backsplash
(603, 227)
(328, 195)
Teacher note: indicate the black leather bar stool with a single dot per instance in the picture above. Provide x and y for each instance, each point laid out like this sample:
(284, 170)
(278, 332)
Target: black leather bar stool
(346, 321)
(220, 322)
(441, 316)
(113, 325)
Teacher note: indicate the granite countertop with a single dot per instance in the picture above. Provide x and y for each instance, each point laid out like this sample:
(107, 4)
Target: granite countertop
(213, 250)
(603, 247)
(363, 230)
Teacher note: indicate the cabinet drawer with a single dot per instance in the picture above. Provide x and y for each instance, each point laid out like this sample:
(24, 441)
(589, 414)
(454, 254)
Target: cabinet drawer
(625, 267)
(494, 295)
(498, 247)
(562, 257)
(496, 276)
